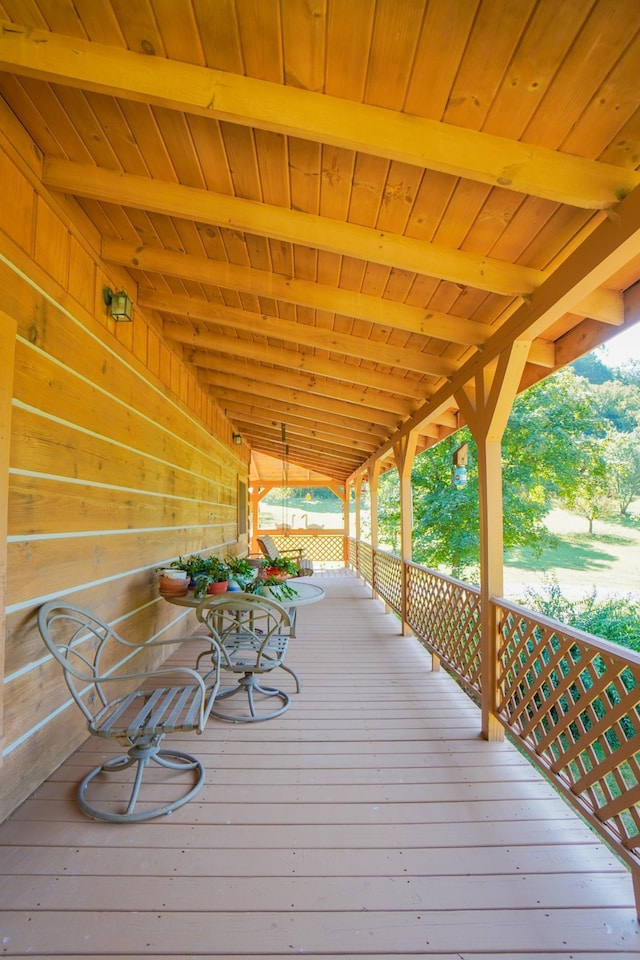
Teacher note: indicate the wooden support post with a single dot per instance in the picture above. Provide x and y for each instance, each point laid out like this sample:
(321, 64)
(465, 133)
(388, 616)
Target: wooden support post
(346, 521)
(374, 477)
(8, 330)
(486, 403)
(358, 491)
(404, 452)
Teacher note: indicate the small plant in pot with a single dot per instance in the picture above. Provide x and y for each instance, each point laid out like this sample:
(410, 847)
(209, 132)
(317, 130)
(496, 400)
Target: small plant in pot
(280, 568)
(193, 565)
(273, 587)
(214, 578)
(241, 570)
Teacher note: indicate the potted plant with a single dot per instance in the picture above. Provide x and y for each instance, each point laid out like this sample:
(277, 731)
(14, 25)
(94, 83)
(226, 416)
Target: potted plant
(193, 566)
(273, 587)
(241, 570)
(281, 567)
(213, 578)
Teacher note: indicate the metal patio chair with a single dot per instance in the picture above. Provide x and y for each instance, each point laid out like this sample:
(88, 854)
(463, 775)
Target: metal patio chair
(98, 670)
(252, 634)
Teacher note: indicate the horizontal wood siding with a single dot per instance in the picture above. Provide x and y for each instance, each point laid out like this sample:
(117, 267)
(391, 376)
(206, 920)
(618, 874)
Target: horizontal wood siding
(118, 462)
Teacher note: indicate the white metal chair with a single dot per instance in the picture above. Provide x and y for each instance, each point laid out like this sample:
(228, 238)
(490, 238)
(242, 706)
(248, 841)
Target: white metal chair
(252, 634)
(98, 670)
(268, 547)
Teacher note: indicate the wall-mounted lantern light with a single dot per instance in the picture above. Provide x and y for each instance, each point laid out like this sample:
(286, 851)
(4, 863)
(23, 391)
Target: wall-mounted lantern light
(120, 305)
(237, 438)
(460, 458)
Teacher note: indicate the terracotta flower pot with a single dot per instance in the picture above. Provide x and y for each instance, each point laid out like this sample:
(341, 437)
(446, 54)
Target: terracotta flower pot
(218, 587)
(173, 586)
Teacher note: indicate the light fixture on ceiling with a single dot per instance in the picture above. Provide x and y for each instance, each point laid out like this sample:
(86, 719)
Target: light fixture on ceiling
(120, 305)
(237, 438)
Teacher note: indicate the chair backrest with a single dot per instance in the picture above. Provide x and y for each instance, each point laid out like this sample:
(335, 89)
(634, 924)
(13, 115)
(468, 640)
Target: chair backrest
(86, 648)
(268, 546)
(246, 624)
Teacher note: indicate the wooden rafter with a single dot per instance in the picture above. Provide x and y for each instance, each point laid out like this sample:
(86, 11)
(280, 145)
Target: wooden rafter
(489, 159)
(292, 226)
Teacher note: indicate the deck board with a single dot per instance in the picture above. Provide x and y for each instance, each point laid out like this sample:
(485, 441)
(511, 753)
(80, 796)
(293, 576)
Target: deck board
(370, 820)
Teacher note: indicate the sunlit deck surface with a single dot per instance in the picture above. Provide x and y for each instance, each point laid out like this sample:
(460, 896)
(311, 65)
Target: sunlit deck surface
(370, 820)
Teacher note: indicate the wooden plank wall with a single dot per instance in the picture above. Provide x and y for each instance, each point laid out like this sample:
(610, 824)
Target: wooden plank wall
(118, 461)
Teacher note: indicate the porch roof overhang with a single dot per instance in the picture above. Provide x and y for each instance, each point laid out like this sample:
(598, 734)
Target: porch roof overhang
(339, 217)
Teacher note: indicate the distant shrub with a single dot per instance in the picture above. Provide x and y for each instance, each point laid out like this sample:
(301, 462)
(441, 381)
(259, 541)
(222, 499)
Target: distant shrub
(616, 619)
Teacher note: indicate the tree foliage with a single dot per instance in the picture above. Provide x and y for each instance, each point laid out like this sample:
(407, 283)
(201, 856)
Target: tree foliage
(554, 437)
(614, 618)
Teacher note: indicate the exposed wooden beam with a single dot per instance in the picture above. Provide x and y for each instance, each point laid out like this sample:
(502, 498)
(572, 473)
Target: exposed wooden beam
(265, 406)
(338, 467)
(291, 226)
(304, 335)
(230, 276)
(612, 245)
(483, 157)
(327, 444)
(301, 390)
(304, 360)
(238, 407)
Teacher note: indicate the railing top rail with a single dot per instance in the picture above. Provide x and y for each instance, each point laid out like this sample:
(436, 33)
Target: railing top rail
(606, 647)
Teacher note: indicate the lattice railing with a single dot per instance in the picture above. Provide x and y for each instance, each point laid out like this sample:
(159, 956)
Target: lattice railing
(365, 562)
(445, 615)
(387, 578)
(571, 700)
(322, 547)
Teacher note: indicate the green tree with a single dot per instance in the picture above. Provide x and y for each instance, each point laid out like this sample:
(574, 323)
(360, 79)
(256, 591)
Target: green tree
(619, 403)
(592, 368)
(622, 456)
(549, 442)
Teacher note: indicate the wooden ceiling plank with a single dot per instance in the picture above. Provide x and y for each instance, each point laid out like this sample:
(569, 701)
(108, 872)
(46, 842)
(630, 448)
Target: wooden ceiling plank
(469, 153)
(543, 45)
(284, 330)
(217, 273)
(115, 128)
(156, 156)
(578, 80)
(261, 36)
(139, 27)
(176, 135)
(304, 39)
(99, 21)
(180, 37)
(453, 24)
(220, 35)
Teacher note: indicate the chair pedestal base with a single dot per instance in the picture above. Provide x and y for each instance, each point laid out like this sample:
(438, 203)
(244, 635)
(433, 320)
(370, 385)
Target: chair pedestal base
(140, 757)
(250, 686)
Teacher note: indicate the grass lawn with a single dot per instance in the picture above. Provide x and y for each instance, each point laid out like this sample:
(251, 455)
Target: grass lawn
(608, 559)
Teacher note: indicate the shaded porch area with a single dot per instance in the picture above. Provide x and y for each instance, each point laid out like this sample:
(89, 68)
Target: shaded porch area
(371, 819)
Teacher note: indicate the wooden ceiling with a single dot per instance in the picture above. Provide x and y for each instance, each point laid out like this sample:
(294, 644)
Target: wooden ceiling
(340, 210)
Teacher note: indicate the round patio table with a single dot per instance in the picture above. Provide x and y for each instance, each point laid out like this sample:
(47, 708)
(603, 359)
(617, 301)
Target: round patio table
(305, 593)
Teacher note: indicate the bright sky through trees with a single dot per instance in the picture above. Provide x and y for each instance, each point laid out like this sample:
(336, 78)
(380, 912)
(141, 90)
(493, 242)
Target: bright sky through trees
(620, 350)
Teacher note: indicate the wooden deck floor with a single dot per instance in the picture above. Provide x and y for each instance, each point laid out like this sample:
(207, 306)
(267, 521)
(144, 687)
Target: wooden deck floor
(370, 820)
